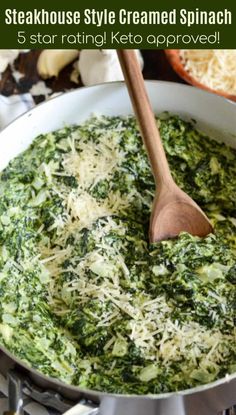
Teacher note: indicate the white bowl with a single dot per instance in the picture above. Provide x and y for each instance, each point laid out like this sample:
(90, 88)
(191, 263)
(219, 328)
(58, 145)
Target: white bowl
(214, 115)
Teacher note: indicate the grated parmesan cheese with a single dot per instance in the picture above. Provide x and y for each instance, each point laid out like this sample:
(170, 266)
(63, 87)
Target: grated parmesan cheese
(215, 68)
(95, 161)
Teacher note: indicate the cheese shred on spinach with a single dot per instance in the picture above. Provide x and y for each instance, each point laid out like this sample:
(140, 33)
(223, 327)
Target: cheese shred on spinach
(84, 297)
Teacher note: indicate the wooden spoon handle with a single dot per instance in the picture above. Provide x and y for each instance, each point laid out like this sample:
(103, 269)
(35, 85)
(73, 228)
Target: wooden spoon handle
(142, 107)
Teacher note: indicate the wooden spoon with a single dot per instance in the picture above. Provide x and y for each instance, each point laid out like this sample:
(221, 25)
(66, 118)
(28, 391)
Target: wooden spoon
(173, 210)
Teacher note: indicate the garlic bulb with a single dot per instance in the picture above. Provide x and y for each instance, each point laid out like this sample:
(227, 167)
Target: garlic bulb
(52, 61)
(101, 65)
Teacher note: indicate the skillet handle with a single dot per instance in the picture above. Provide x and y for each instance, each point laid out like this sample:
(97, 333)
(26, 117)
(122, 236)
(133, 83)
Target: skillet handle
(15, 396)
(18, 384)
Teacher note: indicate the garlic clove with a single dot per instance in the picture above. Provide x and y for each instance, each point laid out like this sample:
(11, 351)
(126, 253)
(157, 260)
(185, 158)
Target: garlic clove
(52, 61)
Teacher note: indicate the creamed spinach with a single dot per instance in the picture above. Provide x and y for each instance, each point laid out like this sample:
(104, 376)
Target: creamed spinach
(84, 297)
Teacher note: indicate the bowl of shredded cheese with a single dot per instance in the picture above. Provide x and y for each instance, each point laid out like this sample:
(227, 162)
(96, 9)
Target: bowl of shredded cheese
(210, 69)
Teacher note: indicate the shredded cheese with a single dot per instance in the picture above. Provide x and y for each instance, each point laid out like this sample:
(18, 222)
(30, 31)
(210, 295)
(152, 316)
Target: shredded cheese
(215, 68)
(94, 162)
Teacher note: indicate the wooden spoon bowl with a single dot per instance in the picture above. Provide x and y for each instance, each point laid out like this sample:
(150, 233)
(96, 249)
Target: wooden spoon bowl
(174, 212)
(174, 58)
